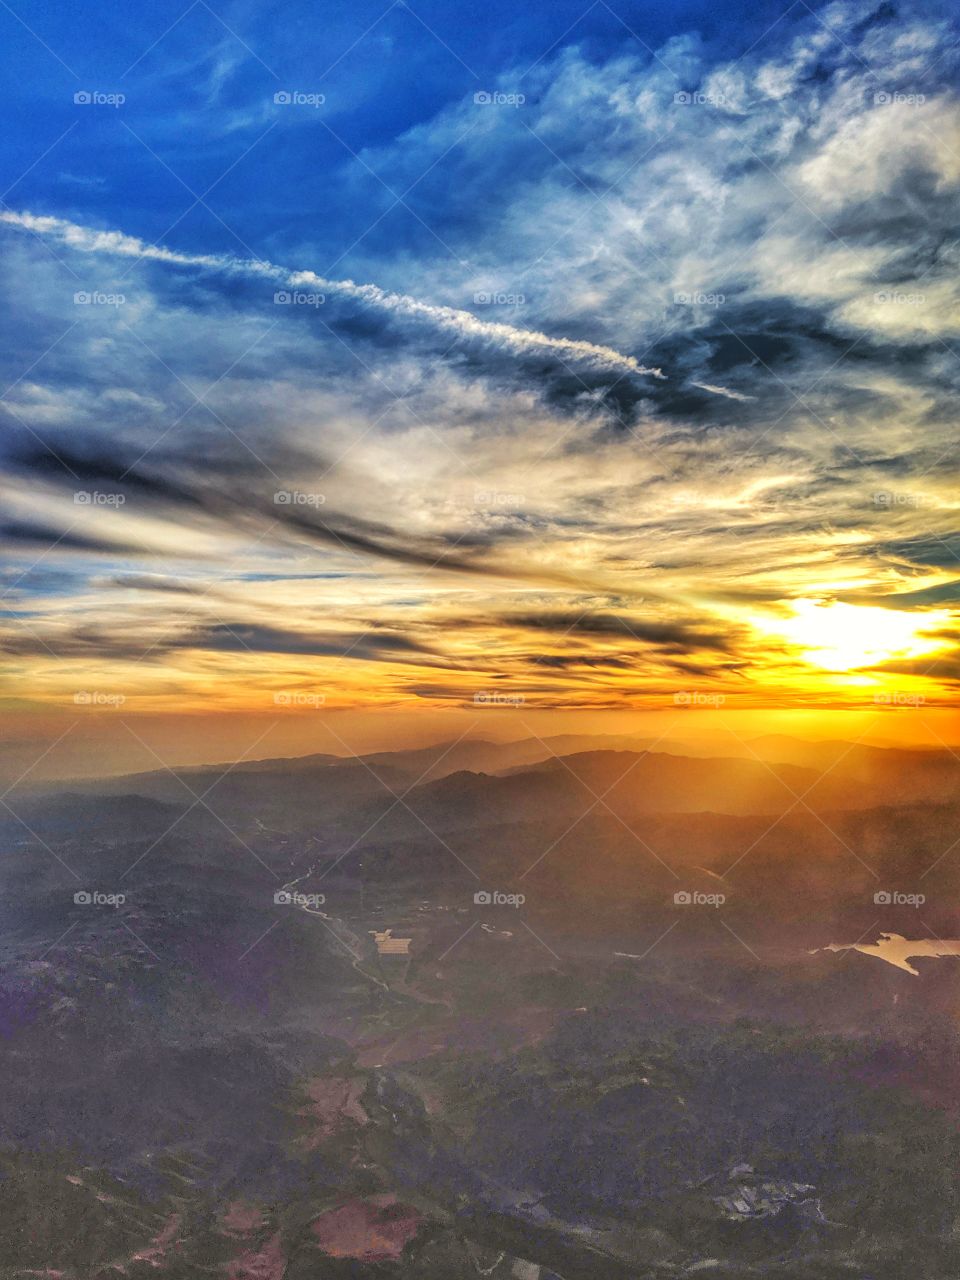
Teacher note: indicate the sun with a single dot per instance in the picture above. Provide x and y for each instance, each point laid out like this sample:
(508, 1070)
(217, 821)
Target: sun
(844, 637)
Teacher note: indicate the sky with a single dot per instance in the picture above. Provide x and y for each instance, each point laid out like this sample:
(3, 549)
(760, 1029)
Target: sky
(373, 364)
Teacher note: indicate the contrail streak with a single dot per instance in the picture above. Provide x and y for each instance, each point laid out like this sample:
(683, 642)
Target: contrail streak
(448, 319)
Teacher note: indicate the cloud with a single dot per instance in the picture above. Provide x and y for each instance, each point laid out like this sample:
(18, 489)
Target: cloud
(51, 537)
(154, 582)
(447, 321)
(234, 498)
(237, 636)
(722, 391)
(683, 635)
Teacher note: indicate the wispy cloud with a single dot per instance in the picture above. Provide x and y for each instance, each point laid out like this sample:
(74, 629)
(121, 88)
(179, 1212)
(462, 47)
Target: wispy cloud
(449, 321)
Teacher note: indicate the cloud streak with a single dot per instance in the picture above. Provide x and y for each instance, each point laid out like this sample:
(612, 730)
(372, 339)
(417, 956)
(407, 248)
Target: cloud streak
(448, 321)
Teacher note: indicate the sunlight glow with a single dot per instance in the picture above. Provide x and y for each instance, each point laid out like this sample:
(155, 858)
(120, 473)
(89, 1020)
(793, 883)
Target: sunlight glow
(845, 637)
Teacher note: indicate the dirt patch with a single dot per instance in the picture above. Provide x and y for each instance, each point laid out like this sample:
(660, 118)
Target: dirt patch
(156, 1251)
(334, 1104)
(371, 1230)
(267, 1263)
(240, 1218)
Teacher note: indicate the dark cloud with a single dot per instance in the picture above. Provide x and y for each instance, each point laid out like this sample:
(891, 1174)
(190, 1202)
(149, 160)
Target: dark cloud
(240, 497)
(945, 670)
(89, 641)
(685, 635)
(935, 552)
(944, 594)
(239, 636)
(147, 582)
(566, 662)
(35, 534)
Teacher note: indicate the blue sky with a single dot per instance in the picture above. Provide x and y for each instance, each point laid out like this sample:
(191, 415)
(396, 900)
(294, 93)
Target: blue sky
(598, 350)
(199, 82)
